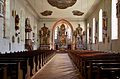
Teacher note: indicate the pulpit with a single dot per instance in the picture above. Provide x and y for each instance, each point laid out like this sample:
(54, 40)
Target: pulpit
(28, 39)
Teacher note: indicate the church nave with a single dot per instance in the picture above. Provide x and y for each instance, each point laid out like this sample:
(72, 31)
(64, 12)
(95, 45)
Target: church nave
(59, 67)
(59, 39)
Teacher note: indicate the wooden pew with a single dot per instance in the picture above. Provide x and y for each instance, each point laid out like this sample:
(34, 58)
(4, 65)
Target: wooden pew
(23, 64)
(96, 66)
(90, 62)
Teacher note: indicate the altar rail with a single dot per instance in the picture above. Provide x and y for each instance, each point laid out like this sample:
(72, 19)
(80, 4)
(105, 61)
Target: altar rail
(24, 64)
(97, 64)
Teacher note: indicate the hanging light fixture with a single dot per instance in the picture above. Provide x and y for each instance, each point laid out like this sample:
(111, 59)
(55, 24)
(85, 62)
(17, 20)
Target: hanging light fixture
(62, 4)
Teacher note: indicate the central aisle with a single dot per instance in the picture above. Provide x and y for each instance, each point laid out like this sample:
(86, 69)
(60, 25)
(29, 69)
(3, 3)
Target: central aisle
(60, 67)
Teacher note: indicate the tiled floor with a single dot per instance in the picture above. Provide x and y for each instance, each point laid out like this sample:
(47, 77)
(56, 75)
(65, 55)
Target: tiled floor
(60, 67)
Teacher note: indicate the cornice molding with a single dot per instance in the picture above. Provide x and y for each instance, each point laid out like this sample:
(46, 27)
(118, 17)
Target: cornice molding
(56, 19)
(46, 13)
(92, 9)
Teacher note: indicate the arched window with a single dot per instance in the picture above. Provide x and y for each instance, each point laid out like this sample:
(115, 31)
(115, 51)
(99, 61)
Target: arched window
(93, 30)
(88, 26)
(56, 31)
(114, 27)
(69, 32)
(100, 26)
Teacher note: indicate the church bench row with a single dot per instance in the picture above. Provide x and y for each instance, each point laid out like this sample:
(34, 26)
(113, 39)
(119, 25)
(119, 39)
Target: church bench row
(22, 65)
(92, 63)
(99, 66)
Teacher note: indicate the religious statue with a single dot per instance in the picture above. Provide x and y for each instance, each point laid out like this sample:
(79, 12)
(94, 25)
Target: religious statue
(17, 22)
(62, 28)
(48, 37)
(62, 35)
(28, 40)
(27, 25)
(84, 39)
(79, 30)
(78, 37)
(62, 40)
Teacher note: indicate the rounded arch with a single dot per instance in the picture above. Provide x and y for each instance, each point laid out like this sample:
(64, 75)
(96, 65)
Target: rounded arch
(55, 25)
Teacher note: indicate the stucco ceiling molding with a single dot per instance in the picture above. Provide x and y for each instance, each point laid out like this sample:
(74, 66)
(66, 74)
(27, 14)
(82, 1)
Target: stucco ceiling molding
(46, 13)
(62, 4)
(77, 13)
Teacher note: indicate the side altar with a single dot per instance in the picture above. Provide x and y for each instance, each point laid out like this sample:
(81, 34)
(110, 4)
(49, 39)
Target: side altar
(44, 38)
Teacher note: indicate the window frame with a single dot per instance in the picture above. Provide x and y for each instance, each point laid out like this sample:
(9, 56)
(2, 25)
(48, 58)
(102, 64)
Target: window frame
(114, 21)
(100, 25)
(93, 30)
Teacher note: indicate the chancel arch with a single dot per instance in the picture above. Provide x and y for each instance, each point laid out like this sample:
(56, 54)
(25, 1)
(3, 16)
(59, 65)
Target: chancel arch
(62, 35)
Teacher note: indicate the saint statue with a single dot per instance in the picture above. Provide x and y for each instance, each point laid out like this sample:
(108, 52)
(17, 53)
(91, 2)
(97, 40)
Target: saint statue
(17, 22)
(62, 35)
(79, 30)
(27, 25)
(78, 37)
(62, 29)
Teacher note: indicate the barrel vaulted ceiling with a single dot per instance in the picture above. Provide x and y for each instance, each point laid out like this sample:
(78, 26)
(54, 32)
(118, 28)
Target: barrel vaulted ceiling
(84, 6)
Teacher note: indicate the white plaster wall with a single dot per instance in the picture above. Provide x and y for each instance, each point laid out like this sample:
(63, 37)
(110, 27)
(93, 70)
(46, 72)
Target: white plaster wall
(113, 45)
(4, 45)
(24, 11)
(50, 23)
(1, 27)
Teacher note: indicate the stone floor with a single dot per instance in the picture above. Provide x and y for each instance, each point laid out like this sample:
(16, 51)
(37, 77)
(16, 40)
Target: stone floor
(59, 67)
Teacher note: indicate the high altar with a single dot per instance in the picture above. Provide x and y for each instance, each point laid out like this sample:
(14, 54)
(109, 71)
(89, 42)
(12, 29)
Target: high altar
(62, 37)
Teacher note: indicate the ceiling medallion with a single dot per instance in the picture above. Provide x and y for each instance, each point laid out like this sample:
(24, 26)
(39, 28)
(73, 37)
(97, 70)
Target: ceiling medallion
(46, 13)
(77, 13)
(62, 4)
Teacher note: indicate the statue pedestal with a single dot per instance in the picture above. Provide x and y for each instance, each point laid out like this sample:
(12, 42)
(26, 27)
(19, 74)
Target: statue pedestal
(45, 47)
(28, 44)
